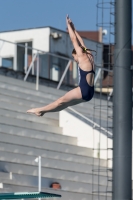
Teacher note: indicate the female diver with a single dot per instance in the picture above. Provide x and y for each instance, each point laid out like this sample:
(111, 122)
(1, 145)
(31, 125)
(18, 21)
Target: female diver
(84, 92)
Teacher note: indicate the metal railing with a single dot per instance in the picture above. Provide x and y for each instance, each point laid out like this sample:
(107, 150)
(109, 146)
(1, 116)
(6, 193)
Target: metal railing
(94, 124)
(36, 57)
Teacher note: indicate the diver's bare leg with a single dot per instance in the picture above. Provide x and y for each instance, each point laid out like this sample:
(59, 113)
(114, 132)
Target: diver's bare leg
(72, 97)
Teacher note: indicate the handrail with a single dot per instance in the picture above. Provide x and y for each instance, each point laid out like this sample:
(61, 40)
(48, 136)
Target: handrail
(38, 50)
(1, 45)
(94, 123)
(102, 68)
(52, 54)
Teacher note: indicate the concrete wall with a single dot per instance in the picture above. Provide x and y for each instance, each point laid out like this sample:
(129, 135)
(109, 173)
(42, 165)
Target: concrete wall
(86, 135)
(39, 38)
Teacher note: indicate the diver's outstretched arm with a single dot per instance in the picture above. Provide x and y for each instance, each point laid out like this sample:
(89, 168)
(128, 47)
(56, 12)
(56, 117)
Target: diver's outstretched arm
(74, 39)
(80, 39)
(70, 29)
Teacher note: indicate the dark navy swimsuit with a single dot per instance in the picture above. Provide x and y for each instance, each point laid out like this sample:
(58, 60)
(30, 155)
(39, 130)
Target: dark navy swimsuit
(87, 91)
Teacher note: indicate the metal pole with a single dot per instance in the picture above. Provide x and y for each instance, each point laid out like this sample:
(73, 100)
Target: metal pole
(26, 57)
(15, 67)
(63, 75)
(37, 73)
(2, 43)
(97, 76)
(38, 160)
(25, 78)
(39, 175)
(122, 109)
(33, 68)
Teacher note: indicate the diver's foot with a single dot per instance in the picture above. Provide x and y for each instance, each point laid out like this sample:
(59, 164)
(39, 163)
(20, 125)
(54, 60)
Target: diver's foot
(36, 111)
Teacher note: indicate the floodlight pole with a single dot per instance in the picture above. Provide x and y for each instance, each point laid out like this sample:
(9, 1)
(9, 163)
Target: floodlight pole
(122, 101)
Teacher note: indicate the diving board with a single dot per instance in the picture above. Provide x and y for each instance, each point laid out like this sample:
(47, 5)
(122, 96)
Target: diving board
(27, 195)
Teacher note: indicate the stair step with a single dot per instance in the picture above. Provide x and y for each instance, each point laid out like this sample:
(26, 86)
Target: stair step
(23, 109)
(46, 162)
(72, 187)
(46, 153)
(31, 86)
(22, 96)
(35, 134)
(4, 175)
(29, 125)
(43, 144)
(22, 102)
(5, 190)
(32, 118)
(26, 90)
(46, 182)
(49, 172)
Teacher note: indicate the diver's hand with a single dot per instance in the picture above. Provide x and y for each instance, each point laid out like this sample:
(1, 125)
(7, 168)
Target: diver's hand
(69, 21)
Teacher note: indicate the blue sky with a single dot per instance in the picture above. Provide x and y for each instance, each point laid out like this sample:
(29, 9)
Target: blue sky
(22, 14)
(19, 14)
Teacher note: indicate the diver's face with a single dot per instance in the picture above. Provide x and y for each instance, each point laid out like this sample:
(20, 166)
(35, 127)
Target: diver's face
(75, 57)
